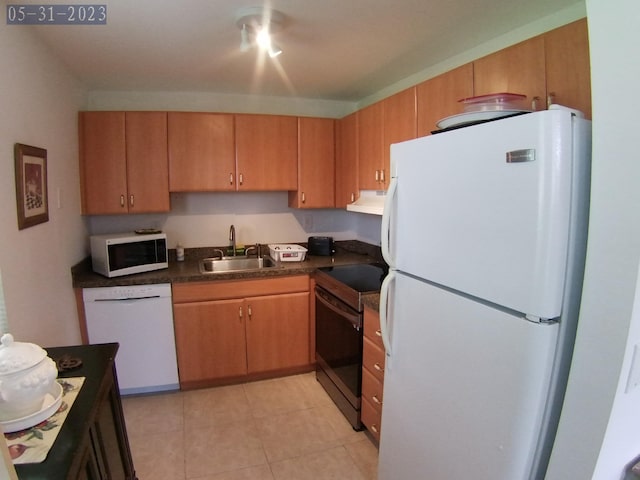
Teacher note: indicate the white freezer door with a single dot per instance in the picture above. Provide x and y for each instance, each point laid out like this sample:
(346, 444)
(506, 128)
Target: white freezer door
(465, 388)
(469, 219)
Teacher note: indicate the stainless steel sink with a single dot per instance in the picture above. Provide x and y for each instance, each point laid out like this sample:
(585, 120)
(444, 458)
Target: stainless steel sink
(235, 264)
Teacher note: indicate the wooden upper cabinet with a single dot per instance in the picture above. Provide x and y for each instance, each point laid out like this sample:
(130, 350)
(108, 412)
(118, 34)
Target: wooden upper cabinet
(438, 97)
(568, 68)
(267, 152)
(123, 162)
(147, 163)
(316, 164)
(201, 152)
(346, 160)
(399, 112)
(370, 147)
(103, 164)
(516, 69)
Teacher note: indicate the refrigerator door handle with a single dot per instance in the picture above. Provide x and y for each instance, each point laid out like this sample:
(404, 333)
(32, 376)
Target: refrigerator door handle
(384, 307)
(386, 222)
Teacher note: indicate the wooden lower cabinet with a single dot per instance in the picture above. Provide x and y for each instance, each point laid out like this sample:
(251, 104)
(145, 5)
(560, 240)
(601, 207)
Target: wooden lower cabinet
(210, 340)
(228, 331)
(371, 418)
(277, 332)
(373, 357)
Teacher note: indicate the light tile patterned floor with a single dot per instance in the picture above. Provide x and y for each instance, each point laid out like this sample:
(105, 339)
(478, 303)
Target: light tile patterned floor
(280, 429)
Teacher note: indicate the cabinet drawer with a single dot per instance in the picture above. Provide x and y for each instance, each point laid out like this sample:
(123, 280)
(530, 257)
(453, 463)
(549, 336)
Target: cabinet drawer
(372, 326)
(373, 359)
(371, 389)
(371, 419)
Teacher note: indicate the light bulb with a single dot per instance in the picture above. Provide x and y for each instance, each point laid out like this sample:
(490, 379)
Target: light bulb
(263, 39)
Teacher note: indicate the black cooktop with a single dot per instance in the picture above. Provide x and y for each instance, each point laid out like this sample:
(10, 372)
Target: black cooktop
(362, 278)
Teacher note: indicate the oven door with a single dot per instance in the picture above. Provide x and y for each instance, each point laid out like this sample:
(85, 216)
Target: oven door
(339, 344)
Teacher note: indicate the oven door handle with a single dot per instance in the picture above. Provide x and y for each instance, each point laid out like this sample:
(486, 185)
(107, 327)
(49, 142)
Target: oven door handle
(354, 319)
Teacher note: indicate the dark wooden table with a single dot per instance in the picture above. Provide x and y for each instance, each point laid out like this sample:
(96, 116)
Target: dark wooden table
(92, 443)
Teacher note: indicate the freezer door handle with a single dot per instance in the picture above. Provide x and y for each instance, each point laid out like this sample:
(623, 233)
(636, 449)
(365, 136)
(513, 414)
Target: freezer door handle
(521, 156)
(386, 223)
(384, 307)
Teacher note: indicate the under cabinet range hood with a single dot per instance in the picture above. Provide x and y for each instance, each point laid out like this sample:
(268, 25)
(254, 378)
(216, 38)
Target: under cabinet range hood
(370, 201)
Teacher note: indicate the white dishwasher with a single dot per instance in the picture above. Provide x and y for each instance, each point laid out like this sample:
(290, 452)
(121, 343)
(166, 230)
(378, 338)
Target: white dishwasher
(140, 319)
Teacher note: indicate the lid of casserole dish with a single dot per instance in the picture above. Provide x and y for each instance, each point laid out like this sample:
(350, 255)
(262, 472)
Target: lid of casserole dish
(18, 356)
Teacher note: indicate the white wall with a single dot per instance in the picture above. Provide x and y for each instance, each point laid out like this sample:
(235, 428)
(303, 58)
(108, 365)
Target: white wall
(39, 102)
(600, 422)
(203, 219)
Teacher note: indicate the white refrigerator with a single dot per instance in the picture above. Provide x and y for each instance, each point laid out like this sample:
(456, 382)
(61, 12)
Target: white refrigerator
(484, 230)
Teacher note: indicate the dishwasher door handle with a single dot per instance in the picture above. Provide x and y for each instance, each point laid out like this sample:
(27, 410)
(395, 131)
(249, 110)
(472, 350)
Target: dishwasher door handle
(125, 299)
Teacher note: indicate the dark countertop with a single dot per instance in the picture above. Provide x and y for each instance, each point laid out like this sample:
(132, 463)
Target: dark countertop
(347, 253)
(372, 300)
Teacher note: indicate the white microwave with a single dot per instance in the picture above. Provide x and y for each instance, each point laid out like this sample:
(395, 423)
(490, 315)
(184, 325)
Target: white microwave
(114, 255)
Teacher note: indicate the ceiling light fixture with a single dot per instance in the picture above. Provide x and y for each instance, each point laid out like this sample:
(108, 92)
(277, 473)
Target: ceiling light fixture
(256, 25)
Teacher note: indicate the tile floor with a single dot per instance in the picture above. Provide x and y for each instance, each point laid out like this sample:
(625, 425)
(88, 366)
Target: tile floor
(280, 429)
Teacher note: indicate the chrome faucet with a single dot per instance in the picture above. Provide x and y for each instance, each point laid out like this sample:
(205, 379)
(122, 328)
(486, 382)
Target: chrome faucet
(232, 239)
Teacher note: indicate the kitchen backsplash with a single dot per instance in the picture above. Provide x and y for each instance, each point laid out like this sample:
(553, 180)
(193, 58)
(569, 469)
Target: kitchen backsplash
(203, 220)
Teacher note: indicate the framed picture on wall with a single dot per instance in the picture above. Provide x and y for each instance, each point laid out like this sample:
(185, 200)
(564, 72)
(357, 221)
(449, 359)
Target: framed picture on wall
(31, 185)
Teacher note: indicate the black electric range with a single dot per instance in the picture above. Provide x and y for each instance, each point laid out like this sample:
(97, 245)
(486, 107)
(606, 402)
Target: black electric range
(339, 332)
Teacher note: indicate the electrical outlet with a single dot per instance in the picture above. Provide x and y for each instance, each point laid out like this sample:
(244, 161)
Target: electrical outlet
(634, 372)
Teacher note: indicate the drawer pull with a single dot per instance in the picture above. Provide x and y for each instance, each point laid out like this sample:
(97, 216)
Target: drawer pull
(378, 367)
(374, 428)
(376, 400)
(378, 333)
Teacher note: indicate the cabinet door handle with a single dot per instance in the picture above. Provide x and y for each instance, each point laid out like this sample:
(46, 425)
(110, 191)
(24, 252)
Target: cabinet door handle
(241, 179)
(304, 199)
(131, 200)
(534, 103)
(231, 179)
(551, 99)
(122, 201)
(378, 367)
(382, 176)
(377, 175)
(249, 312)
(353, 197)
(374, 428)
(240, 312)
(378, 333)
(376, 400)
